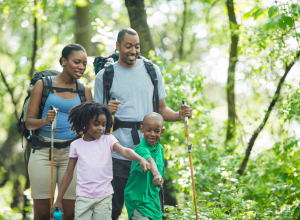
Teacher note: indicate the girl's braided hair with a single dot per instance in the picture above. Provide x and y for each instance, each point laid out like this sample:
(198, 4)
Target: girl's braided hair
(80, 115)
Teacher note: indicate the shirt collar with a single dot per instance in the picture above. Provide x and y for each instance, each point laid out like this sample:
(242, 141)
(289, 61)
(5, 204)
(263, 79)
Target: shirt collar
(152, 148)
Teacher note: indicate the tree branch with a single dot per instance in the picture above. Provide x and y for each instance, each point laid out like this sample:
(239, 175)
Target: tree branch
(261, 126)
(11, 92)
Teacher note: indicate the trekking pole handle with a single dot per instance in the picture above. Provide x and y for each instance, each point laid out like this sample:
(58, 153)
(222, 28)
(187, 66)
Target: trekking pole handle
(186, 119)
(53, 124)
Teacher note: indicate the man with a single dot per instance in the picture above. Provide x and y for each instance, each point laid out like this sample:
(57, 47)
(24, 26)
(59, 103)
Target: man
(133, 89)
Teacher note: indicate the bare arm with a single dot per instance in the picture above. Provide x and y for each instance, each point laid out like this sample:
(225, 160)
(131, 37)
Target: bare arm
(88, 94)
(157, 180)
(170, 115)
(66, 180)
(131, 155)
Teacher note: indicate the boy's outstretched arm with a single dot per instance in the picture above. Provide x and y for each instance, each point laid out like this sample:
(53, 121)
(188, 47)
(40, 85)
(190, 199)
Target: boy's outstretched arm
(131, 155)
(157, 180)
(66, 180)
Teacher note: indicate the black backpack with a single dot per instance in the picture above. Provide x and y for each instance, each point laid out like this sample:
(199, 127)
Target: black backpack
(106, 62)
(47, 88)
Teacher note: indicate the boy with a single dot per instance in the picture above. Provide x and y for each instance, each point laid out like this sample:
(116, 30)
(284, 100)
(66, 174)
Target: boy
(142, 188)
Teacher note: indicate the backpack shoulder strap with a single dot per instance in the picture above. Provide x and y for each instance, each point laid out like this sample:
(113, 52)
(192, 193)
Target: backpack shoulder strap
(46, 90)
(81, 91)
(151, 71)
(107, 82)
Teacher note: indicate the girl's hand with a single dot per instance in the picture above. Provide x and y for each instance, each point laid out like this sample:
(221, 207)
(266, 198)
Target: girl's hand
(145, 165)
(158, 181)
(53, 208)
(50, 116)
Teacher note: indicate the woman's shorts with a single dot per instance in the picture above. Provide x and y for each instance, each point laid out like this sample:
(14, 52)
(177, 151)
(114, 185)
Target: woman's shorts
(39, 170)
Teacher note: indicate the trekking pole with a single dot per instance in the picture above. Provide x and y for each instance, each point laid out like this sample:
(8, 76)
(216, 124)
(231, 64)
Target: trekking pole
(53, 127)
(113, 119)
(190, 156)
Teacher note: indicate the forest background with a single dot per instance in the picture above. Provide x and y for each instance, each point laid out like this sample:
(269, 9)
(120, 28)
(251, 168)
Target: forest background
(236, 64)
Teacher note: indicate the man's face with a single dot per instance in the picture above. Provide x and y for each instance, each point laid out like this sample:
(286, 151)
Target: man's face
(129, 50)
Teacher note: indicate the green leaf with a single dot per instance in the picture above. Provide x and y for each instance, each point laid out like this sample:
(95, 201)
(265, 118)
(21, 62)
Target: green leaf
(272, 11)
(258, 12)
(288, 20)
(249, 13)
(272, 23)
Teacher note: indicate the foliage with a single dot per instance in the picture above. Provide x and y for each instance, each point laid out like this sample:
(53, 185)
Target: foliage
(269, 40)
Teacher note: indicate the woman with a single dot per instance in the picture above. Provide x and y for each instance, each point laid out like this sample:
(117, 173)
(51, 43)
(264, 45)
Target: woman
(73, 61)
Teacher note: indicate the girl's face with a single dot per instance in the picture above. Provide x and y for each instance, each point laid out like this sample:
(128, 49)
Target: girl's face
(76, 63)
(96, 128)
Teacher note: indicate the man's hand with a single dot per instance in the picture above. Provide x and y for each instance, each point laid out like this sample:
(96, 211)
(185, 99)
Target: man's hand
(57, 203)
(145, 165)
(185, 111)
(158, 181)
(113, 105)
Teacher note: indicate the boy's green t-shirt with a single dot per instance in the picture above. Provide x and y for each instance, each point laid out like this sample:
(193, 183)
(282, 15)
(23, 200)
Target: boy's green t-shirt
(140, 192)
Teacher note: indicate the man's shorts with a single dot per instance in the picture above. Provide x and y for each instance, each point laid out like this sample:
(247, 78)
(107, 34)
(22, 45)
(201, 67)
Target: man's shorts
(39, 170)
(121, 169)
(88, 208)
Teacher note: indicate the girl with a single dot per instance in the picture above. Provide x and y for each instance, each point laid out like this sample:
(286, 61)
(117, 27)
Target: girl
(93, 154)
(73, 61)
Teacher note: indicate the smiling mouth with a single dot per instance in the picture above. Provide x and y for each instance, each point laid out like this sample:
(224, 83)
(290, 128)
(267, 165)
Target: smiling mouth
(79, 74)
(132, 57)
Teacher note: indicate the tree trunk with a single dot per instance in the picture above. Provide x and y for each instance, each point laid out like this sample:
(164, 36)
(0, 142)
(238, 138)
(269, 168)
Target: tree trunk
(184, 20)
(231, 70)
(34, 40)
(138, 21)
(83, 28)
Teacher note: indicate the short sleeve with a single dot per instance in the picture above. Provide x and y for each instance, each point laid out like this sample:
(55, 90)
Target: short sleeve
(112, 140)
(143, 152)
(98, 89)
(73, 151)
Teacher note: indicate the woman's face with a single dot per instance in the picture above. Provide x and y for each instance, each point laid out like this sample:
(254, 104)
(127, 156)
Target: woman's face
(76, 63)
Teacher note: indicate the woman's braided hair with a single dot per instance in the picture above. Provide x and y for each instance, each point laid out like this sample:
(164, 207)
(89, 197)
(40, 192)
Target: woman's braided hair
(80, 115)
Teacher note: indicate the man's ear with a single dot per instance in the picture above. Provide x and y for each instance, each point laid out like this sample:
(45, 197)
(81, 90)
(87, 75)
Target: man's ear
(141, 129)
(162, 131)
(118, 46)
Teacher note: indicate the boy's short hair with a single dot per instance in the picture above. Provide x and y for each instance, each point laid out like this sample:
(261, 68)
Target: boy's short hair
(155, 116)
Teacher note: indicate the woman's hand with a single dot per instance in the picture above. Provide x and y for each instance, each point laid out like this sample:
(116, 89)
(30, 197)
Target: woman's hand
(50, 116)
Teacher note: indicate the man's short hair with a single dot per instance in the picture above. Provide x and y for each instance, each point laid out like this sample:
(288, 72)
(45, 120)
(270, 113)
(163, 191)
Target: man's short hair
(122, 33)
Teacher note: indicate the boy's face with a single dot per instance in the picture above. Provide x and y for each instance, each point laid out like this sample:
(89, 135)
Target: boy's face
(152, 129)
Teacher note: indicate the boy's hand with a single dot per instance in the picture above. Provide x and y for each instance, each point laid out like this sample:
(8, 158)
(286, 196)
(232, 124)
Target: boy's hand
(53, 208)
(144, 164)
(158, 181)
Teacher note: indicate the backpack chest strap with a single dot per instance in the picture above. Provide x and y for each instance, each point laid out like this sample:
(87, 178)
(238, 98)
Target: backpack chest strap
(135, 126)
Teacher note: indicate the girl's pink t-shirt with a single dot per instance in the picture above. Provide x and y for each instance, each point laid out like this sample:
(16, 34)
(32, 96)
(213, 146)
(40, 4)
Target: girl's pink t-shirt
(94, 166)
